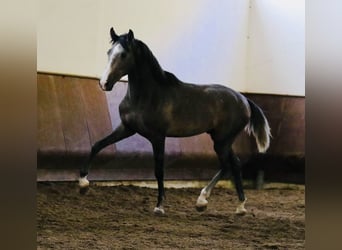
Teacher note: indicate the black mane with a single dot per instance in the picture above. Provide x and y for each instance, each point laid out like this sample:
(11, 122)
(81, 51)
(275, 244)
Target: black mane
(145, 56)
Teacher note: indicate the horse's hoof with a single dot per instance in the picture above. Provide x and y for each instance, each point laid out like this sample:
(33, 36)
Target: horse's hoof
(201, 208)
(83, 184)
(241, 210)
(201, 204)
(159, 211)
(84, 190)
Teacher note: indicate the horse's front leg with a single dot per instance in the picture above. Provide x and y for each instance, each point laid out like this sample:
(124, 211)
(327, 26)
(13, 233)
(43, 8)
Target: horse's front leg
(118, 134)
(158, 153)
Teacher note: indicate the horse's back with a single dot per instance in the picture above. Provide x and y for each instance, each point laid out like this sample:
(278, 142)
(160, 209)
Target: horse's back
(205, 108)
(232, 107)
(225, 99)
(205, 91)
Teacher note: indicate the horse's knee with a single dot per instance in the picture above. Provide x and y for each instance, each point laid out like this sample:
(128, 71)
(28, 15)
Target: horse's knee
(96, 148)
(235, 160)
(236, 169)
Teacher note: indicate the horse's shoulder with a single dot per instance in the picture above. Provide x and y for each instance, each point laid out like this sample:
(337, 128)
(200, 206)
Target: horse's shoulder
(124, 105)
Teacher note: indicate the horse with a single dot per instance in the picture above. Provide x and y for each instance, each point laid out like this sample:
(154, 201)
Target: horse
(159, 105)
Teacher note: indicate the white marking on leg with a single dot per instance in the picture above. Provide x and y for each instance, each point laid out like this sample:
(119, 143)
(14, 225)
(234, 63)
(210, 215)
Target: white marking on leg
(159, 210)
(240, 210)
(83, 182)
(205, 193)
(202, 198)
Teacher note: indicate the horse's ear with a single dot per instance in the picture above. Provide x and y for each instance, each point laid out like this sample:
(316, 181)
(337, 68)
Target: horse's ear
(130, 35)
(113, 35)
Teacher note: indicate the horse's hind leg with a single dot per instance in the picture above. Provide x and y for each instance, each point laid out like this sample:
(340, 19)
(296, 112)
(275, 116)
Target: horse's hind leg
(202, 201)
(228, 160)
(222, 150)
(237, 175)
(118, 134)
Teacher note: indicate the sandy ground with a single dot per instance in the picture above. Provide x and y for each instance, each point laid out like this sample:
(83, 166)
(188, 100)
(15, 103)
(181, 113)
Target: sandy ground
(122, 217)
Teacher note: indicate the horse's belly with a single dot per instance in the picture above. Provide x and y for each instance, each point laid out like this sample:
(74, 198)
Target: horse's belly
(169, 122)
(187, 128)
(190, 121)
(184, 133)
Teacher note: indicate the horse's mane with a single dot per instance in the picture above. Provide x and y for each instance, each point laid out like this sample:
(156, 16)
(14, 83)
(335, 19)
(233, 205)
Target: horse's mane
(145, 56)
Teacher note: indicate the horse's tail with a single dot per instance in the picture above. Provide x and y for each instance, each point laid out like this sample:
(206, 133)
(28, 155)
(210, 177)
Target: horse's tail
(259, 127)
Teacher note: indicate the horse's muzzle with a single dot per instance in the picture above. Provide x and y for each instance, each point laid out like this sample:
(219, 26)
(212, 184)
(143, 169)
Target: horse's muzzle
(106, 86)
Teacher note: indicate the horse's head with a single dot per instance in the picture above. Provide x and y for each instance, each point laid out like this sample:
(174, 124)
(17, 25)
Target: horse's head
(120, 59)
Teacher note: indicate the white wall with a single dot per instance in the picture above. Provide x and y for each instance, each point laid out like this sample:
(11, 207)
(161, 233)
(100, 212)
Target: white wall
(200, 41)
(67, 36)
(276, 47)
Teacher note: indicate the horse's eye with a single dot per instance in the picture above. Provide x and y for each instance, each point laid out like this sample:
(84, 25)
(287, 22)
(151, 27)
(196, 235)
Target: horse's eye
(123, 55)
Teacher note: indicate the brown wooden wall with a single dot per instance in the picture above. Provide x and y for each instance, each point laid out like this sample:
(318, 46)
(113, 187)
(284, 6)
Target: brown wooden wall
(73, 114)
(286, 116)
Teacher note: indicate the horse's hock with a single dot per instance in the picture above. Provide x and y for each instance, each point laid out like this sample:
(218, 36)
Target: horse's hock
(73, 114)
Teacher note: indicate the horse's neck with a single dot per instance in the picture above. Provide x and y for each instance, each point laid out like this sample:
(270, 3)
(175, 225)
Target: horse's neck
(142, 83)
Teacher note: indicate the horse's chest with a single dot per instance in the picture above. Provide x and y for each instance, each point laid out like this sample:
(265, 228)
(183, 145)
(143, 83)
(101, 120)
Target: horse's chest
(146, 121)
(133, 119)
(137, 120)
